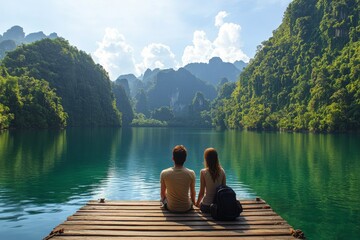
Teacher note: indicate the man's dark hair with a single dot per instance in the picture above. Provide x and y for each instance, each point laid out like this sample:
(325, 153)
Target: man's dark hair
(179, 155)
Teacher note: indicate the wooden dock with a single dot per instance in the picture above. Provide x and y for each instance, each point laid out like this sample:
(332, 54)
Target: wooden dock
(147, 220)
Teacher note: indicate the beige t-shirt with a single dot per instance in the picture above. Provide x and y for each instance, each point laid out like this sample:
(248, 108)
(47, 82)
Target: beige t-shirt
(178, 181)
(210, 185)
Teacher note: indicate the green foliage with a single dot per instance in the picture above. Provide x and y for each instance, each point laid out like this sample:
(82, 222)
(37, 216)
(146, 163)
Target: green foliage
(26, 102)
(83, 86)
(214, 71)
(163, 114)
(41, 107)
(123, 104)
(141, 105)
(220, 107)
(5, 117)
(199, 111)
(140, 120)
(305, 77)
(10, 99)
(176, 89)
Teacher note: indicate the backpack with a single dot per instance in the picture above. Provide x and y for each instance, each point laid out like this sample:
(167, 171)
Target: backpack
(225, 205)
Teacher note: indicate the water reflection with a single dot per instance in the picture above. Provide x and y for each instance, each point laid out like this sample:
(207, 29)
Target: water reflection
(51, 166)
(46, 174)
(312, 180)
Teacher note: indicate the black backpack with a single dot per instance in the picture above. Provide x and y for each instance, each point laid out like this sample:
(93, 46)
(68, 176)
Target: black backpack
(225, 205)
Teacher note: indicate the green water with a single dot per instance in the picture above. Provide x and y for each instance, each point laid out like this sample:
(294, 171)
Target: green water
(311, 180)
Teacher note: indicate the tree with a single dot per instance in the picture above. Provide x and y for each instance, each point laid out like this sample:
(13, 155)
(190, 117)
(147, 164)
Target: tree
(83, 86)
(123, 104)
(304, 77)
(163, 114)
(141, 105)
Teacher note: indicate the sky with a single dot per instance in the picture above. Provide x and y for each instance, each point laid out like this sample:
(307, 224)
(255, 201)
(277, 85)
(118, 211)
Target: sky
(127, 36)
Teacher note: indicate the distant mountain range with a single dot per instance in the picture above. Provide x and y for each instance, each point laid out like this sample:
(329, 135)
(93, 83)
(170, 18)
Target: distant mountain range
(16, 36)
(214, 73)
(177, 88)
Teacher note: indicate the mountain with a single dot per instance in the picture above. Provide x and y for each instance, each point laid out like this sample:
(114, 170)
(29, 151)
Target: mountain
(133, 84)
(16, 36)
(214, 71)
(176, 89)
(149, 75)
(15, 33)
(83, 86)
(306, 76)
(123, 103)
(32, 37)
(240, 65)
(6, 46)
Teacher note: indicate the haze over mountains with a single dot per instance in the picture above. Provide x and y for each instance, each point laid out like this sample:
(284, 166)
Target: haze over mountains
(82, 85)
(212, 72)
(15, 36)
(177, 89)
(304, 78)
(215, 72)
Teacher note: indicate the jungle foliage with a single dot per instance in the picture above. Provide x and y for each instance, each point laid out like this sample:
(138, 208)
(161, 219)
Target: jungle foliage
(305, 77)
(26, 102)
(83, 86)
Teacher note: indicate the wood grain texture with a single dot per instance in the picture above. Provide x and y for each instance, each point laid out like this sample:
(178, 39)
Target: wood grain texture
(147, 220)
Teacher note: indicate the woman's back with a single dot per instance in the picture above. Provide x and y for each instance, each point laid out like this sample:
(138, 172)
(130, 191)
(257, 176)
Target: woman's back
(211, 185)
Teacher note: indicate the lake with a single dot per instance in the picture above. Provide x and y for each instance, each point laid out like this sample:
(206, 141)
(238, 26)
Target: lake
(311, 180)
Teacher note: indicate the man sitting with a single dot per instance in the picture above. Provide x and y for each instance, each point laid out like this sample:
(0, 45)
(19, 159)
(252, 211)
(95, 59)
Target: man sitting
(176, 182)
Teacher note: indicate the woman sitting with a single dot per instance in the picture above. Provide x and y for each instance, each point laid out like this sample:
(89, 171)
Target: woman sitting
(212, 176)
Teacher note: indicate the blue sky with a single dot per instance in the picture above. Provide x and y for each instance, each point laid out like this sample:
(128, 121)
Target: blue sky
(130, 36)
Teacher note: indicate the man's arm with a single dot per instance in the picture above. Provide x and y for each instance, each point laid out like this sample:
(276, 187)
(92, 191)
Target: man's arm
(202, 189)
(192, 191)
(162, 190)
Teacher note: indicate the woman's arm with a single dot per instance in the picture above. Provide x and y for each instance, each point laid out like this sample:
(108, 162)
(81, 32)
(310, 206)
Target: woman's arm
(202, 189)
(224, 180)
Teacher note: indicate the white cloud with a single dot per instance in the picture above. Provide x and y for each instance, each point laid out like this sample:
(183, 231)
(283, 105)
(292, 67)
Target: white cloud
(115, 54)
(219, 19)
(156, 55)
(200, 51)
(227, 44)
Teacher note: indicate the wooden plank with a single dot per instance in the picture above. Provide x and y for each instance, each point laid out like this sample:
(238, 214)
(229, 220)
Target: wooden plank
(149, 203)
(173, 228)
(168, 238)
(158, 209)
(179, 218)
(142, 207)
(147, 220)
(165, 213)
(233, 233)
(173, 223)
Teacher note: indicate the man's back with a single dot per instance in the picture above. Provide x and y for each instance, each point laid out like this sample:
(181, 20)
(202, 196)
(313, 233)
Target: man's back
(178, 181)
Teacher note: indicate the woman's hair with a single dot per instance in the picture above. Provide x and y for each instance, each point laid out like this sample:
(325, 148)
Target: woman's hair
(212, 162)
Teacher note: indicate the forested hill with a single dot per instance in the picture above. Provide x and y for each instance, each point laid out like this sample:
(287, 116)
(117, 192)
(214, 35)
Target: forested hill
(83, 86)
(306, 76)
